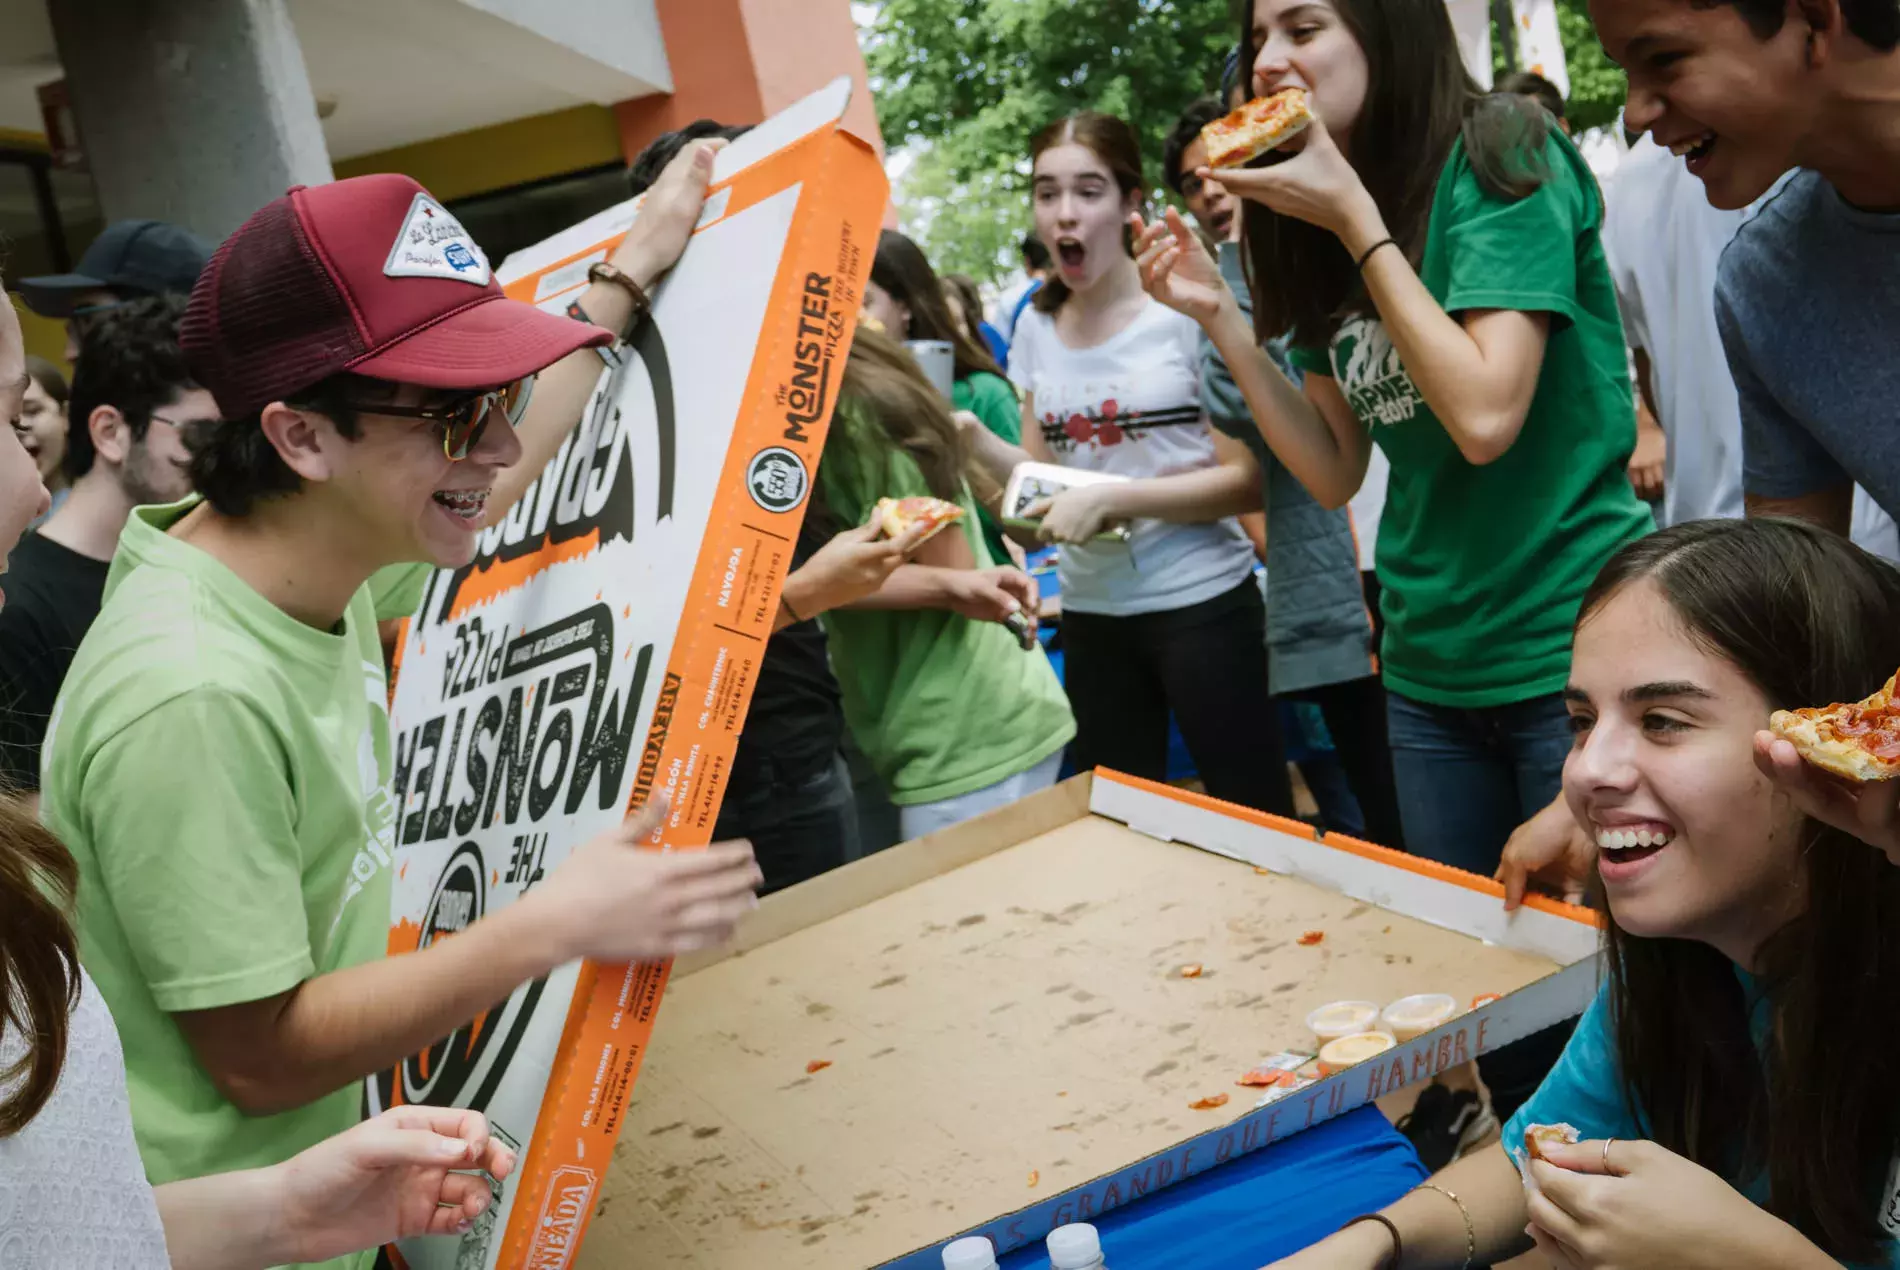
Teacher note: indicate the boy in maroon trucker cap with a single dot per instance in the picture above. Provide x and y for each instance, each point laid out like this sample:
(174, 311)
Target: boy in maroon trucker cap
(219, 759)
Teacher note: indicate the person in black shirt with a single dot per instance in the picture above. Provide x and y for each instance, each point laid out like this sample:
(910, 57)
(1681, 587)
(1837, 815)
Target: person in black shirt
(790, 791)
(132, 400)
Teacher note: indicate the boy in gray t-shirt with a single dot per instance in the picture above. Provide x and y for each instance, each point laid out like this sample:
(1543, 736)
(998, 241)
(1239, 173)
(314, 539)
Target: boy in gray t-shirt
(1808, 302)
(1808, 294)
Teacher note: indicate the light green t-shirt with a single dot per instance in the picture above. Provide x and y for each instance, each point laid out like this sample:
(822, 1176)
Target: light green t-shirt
(220, 771)
(940, 704)
(1483, 567)
(395, 590)
(992, 399)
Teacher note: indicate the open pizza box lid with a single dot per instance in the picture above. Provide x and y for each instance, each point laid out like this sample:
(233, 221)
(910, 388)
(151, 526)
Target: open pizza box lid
(986, 1031)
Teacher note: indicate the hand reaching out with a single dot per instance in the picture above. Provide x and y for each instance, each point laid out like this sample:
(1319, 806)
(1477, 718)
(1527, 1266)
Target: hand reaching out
(852, 565)
(1870, 812)
(1317, 184)
(389, 1178)
(1176, 269)
(1076, 515)
(671, 211)
(992, 595)
(1637, 1204)
(1550, 848)
(615, 900)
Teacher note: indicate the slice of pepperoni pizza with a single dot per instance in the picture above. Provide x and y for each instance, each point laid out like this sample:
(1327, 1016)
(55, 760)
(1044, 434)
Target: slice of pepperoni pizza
(1250, 130)
(1859, 741)
(900, 515)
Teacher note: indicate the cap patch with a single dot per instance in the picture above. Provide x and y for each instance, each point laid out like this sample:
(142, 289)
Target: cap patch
(433, 244)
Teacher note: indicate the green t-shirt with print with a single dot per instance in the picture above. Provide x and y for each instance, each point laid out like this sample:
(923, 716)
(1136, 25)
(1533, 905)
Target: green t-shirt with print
(940, 704)
(220, 771)
(991, 399)
(1483, 567)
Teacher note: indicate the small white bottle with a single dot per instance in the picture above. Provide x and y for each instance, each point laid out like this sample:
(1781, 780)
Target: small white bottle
(973, 1253)
(1075, 1247)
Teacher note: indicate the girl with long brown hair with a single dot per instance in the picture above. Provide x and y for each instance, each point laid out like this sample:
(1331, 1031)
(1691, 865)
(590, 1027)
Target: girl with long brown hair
(1169, 621)
(1732, 1081)
(1434, 254)
(955, 716)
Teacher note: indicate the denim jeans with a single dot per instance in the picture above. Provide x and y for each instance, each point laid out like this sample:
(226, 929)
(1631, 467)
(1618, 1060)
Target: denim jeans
(798, 829)
(1468, 777)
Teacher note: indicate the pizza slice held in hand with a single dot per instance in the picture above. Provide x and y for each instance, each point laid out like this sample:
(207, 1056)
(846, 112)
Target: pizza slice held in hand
(899, 515)
(1249, 131)
(1858, 741)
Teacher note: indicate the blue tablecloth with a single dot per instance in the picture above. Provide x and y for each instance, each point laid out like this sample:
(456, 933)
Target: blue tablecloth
(1259, 1207)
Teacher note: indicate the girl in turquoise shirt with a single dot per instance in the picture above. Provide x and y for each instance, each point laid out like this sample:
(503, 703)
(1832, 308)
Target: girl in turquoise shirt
(1734, 1082)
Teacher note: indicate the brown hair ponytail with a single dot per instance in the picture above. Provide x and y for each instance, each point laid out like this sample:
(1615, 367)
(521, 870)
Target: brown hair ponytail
(1113, 142)
(39, 960)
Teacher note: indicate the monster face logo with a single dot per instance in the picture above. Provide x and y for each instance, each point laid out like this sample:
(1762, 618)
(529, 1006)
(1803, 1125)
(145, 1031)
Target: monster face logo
(464, 1068)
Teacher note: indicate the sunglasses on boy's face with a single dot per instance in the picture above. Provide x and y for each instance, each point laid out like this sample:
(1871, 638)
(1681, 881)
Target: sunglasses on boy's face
(461, 423)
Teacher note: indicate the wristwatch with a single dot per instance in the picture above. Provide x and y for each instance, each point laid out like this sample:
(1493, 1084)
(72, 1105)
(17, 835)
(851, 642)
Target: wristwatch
(613, 276)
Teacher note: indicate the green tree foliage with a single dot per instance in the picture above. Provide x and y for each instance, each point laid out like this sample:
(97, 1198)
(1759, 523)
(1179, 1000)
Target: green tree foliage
(962, 85)
(1597, 85)
(975, 79)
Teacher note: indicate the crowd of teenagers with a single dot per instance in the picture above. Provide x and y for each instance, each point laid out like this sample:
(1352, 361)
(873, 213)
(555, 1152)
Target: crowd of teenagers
(1507, 501)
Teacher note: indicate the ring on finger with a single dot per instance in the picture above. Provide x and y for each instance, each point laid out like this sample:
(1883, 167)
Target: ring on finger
(1606, 1153)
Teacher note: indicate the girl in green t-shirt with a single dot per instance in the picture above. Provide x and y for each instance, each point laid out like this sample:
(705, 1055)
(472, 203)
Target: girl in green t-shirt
(1434, 254)
(909, 302)
(954, 714)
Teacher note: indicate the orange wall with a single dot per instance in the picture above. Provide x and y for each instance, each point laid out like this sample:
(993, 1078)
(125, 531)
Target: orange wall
(738, 61)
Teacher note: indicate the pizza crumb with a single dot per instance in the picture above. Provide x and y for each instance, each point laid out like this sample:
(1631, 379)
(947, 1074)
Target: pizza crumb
(1035, 1176)
(817, 1065)
(1191, 971)
(1208, 1103)
(1263, 872)
(1311, 937)
(1267, 1078)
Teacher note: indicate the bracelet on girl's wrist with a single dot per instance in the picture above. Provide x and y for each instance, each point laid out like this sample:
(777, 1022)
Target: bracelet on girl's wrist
(1391, 1228)
(1366, 255)
(1471, 1231)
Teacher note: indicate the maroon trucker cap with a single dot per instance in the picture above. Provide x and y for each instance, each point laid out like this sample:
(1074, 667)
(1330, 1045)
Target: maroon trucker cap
(370, 275)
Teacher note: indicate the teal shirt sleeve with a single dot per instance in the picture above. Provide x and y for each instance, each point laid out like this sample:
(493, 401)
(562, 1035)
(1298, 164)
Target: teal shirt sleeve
(991, 399)
(1518, 253)
(1584, 1089)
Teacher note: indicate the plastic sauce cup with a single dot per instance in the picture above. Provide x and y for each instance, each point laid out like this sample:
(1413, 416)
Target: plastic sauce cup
(1337, 1056)
(1341, 1018)
(1411, 1017)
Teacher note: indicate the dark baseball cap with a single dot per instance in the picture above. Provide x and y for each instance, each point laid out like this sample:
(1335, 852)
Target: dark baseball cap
(369, 275)
(140, 257)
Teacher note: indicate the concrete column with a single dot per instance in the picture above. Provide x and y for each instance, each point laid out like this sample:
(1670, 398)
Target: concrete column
(192, 111)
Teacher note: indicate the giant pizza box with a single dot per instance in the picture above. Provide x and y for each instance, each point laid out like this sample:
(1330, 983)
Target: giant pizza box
(1038, 1016)
(602, 647)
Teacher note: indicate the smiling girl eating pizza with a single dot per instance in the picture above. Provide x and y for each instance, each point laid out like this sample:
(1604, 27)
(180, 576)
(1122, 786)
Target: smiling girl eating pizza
(1731, 1081)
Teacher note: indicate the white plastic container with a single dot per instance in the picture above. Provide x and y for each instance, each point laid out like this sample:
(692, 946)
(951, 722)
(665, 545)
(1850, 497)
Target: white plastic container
(1341, 1018)
(973, 1253)
(1411, 1017)
(1075, 1247)
(1337, 1056)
